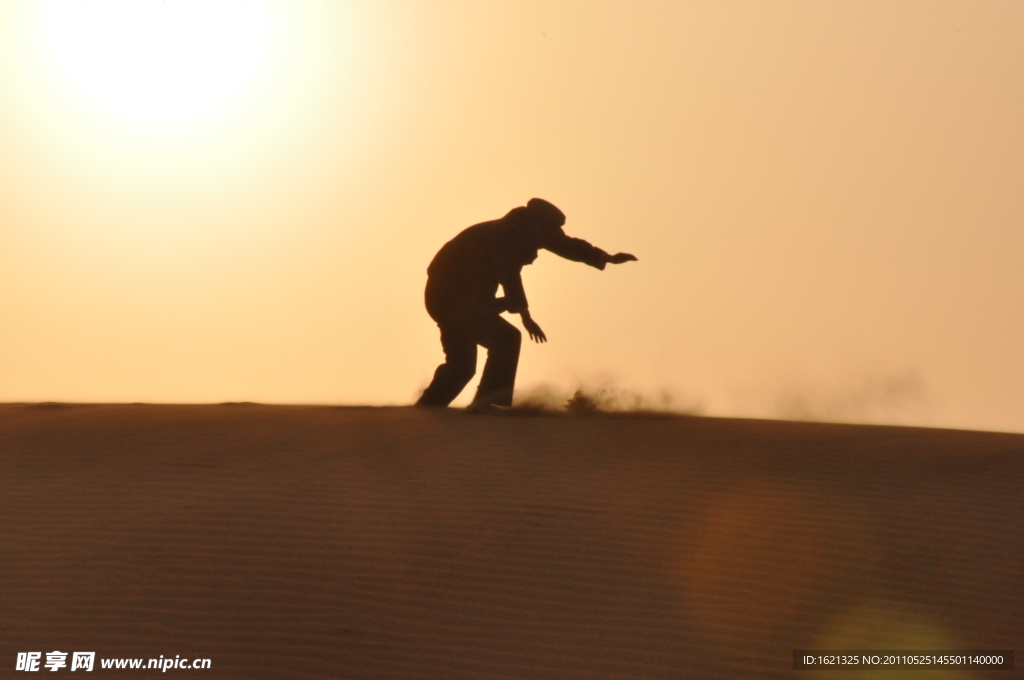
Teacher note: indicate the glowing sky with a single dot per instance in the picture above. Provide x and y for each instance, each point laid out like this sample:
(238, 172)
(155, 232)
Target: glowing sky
(825, 198)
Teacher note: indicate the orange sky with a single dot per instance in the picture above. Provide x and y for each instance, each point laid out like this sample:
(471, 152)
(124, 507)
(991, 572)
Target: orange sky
(825, 199)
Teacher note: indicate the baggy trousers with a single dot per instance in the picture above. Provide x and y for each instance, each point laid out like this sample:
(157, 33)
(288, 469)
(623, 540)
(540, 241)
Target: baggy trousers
(459, 338)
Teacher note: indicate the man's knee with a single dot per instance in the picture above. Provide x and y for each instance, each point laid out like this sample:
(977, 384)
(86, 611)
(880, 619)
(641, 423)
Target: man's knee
(511, 337)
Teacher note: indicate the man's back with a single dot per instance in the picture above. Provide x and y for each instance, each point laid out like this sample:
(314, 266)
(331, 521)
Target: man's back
(467, 261)
(466, 272)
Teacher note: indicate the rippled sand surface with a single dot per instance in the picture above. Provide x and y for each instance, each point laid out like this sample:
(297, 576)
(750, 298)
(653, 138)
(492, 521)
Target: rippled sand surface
(320, 542)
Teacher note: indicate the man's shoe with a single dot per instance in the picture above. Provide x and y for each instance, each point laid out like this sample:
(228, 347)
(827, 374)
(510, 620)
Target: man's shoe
(481, 408)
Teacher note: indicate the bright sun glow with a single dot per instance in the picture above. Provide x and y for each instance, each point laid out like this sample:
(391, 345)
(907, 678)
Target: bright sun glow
(159, 60)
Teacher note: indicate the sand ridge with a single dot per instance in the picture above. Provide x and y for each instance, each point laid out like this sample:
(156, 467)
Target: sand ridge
(291, 541)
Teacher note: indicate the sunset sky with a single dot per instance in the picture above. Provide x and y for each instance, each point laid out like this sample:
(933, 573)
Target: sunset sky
(237, 200)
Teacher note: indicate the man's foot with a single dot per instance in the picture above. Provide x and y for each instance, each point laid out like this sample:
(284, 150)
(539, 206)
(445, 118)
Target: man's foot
(481, 408)
(427, 400)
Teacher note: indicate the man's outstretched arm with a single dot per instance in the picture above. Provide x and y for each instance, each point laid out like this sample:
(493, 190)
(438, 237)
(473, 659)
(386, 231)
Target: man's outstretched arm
(578, 250)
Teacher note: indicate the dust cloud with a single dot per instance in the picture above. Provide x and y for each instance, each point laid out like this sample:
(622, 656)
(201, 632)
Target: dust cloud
(884, 398)
(601, 397)
(895, 398)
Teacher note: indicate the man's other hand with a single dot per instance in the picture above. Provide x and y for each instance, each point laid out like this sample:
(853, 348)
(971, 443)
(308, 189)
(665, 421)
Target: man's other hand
(536, 334)
(619, 258)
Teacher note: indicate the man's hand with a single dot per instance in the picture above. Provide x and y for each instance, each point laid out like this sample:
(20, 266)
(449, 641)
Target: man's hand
(619, 258)
(536, 334)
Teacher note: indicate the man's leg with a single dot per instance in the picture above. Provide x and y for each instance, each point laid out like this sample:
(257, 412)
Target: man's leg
(502, 341)
(452, 376)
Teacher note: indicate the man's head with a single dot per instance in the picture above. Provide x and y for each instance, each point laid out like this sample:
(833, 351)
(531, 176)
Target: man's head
(544, 214)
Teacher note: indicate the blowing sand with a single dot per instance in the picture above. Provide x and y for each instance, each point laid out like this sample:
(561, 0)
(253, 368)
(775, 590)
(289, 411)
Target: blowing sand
(319, 542)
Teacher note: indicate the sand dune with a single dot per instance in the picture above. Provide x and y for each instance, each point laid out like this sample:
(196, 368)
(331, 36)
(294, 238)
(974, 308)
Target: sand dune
(319, 542)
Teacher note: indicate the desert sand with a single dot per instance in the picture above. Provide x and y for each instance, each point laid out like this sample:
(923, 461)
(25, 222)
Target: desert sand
(339, 542)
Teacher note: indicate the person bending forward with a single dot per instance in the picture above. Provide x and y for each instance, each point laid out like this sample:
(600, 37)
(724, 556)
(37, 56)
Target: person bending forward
(462, 284)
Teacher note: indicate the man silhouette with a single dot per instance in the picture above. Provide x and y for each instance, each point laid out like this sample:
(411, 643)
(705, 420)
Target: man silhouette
(462, 282)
